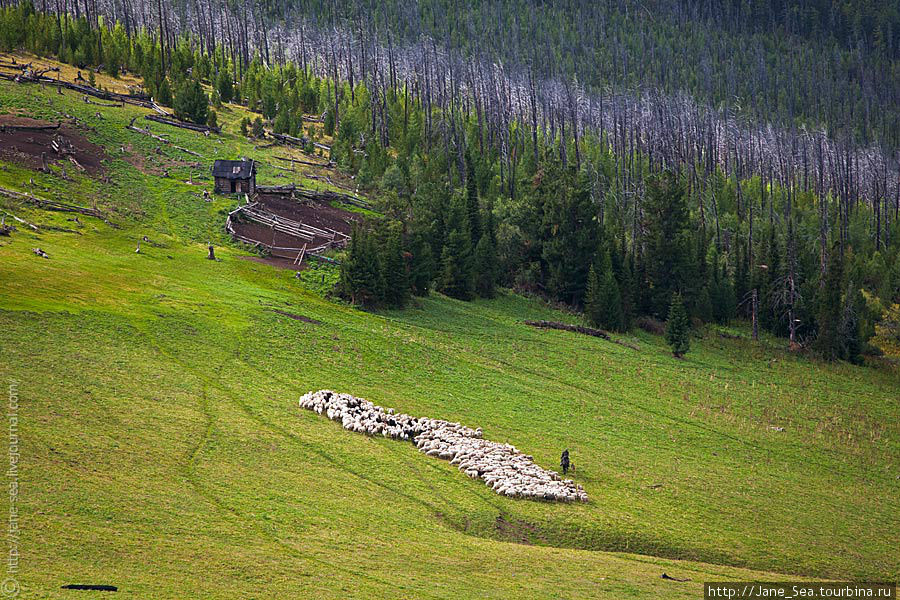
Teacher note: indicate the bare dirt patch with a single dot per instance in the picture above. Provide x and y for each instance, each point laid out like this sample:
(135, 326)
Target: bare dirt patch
(317, 214)
(25, 147)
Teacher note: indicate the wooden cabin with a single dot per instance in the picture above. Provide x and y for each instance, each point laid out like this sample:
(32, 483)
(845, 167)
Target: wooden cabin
(234, 176)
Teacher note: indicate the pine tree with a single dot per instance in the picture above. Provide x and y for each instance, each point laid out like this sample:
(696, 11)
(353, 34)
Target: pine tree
(570, 233)
(164, 93)
(485, 267)
(851, 342)
(361, 279)
(603, 301)
(703, 307)
(764, 280)
(421, 261)
(393, 272)
(678, 328)
(456, 278)
(225, 86)
(592, 294)
(669, 257)
(191, 103)
(472, 207)
(828, 341)
(626, 287)
(721, 294)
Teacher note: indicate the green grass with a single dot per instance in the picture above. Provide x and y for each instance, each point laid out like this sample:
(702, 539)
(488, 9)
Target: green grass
(164, 452)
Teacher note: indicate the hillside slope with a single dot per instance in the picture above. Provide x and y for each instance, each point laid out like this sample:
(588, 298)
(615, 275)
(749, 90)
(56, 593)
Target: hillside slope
(164, 452)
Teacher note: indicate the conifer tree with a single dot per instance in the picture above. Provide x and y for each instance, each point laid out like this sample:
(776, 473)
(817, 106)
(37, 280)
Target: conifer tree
(456, 279)
(571, 233)
(421, 261)
(678, 328)
(164, 93)
(669, 256)
(703, 306)
(191, 103)
(626, 286)
(592, 298)
(603, 301)
(361, 278)
(721, 294)
(393, 270)
(472, 208)
(851, 344)
(485, 267)
(741, 286)
(828, 341)
(225, 86)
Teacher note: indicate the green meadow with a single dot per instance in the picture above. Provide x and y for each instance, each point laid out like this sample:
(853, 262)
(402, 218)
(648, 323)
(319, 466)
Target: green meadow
(163, 451)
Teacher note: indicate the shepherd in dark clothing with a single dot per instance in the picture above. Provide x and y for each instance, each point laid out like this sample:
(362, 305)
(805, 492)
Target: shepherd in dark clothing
(564, 461)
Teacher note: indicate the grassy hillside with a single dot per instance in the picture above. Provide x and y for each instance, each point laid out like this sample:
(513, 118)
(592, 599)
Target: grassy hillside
(164, 452)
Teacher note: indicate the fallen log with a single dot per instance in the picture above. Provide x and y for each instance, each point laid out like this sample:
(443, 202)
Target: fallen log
(308, 163)
(290, 140)
(42, 72)
(277, 168)
(50, 205)
(159, 109)
(183, 124)
(22, 221)
(300, 142)
(566, 327)
(161, 139)
(138, 100)
(11, 128)
(147, 132)
(328, 180)
(14, 65)
(76, 163)
(119, 104)
(580, 329)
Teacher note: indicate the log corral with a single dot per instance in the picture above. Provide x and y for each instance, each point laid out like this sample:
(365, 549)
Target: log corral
(291, 224)
(501, 466)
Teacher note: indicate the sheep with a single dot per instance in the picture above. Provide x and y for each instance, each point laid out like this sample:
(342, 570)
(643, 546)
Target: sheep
(501, 466)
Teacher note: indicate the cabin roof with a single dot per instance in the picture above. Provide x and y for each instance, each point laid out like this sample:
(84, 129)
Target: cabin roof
(234, 169)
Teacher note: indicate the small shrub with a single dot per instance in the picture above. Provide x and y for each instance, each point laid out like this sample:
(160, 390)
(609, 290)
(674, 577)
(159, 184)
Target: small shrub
(650, 325)
(258, 130)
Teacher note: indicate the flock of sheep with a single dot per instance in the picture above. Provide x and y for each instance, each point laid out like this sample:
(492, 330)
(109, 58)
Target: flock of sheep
(506, 470)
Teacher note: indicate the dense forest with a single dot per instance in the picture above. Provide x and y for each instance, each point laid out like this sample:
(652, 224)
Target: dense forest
(613, 156)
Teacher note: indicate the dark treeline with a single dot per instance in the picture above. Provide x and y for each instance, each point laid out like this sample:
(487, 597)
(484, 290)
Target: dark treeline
(615, 203)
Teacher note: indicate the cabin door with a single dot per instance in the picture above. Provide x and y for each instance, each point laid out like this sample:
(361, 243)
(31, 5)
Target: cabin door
(233, 190)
